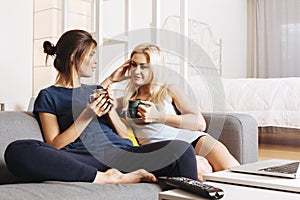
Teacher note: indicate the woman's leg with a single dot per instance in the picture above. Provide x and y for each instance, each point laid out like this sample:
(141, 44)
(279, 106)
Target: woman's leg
(38, 161)
(167, 158)
(215, 152)
(203, 167)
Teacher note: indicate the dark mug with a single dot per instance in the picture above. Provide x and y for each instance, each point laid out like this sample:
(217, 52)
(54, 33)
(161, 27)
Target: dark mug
(133, 108)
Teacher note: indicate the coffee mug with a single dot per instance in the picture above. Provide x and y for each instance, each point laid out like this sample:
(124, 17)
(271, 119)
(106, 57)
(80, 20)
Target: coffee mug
(96, 93)
(133, 108)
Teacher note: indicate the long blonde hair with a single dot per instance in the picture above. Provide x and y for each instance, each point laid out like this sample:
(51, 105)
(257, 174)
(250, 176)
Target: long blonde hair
(157, 86)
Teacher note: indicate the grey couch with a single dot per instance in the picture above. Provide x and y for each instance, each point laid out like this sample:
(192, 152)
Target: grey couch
(237, 131)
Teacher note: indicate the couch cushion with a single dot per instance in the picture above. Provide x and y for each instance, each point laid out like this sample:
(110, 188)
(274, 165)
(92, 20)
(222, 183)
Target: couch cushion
(14, 126)
(75, 190)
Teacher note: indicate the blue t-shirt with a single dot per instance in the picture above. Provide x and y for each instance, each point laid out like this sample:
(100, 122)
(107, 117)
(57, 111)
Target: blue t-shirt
(67, 104)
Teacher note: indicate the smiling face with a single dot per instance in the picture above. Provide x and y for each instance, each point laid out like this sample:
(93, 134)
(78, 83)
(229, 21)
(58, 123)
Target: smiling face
(140, 70)
(89, 64)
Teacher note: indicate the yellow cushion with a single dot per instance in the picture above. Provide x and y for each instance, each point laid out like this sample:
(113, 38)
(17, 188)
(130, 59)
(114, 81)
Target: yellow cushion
(131, 136)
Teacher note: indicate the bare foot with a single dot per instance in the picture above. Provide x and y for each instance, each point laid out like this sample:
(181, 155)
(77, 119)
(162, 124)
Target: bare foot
(114, 176)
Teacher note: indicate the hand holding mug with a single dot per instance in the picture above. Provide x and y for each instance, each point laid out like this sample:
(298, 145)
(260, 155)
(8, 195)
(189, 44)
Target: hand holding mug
(148, 112)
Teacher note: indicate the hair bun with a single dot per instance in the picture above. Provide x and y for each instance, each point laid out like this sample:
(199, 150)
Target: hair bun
(49, 48)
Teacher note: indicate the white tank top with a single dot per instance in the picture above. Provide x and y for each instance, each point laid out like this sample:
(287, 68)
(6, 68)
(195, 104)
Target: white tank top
(154, 132)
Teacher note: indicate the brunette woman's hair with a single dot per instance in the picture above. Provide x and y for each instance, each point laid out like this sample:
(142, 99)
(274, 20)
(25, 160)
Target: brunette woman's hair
(70, 50)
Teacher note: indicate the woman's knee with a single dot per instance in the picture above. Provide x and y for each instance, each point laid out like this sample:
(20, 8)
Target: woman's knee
(203, 165)
(15, 150)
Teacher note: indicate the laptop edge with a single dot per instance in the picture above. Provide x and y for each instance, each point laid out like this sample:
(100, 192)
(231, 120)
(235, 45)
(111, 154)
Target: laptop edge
(253, 168)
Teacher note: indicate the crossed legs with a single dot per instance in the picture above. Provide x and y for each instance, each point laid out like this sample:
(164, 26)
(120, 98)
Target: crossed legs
(37, 161)
(212, 155)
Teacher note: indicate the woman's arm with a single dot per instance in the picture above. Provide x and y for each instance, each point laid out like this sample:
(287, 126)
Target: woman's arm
(119, 124)
(59, 140)
(117, 76)
(190, 117)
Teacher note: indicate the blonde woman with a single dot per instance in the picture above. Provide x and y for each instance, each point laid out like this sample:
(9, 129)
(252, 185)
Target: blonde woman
(159, 120)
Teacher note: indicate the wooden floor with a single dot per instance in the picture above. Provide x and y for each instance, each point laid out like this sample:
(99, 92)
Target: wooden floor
(279, 146)
(268, 151)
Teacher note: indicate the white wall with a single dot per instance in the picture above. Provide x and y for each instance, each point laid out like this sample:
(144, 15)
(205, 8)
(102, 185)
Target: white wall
(16, 53)
(227, 19)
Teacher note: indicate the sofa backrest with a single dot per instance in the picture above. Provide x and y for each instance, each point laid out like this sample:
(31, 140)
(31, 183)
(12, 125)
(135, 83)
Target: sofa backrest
(15, 125)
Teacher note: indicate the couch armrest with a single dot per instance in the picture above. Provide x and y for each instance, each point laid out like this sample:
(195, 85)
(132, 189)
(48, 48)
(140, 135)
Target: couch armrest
(237, 131)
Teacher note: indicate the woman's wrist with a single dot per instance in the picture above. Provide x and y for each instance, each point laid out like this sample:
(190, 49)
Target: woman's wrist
(87, 114)
(111, 112)
(106, 82)
(161, 118)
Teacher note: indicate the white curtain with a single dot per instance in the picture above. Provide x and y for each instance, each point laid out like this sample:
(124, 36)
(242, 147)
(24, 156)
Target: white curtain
(277, 38)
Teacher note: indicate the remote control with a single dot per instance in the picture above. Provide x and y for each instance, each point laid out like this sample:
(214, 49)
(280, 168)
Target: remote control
(193, 186)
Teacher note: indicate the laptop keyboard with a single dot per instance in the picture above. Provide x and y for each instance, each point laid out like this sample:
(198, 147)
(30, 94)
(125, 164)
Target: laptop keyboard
(289, 168)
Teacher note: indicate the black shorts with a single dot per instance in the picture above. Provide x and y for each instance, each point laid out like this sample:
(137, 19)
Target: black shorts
(194, 143)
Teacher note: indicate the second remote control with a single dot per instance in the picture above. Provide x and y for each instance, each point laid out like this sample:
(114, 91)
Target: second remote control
(193, 186)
